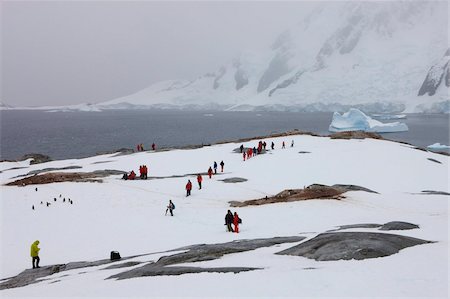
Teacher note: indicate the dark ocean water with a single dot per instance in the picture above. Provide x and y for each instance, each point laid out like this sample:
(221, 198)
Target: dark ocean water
(64, 135)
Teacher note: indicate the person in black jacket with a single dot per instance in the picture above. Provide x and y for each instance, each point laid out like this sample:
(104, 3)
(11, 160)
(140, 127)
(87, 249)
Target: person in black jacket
(229, 220)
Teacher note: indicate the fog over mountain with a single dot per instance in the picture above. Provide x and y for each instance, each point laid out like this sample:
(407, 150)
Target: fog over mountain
(379, 56)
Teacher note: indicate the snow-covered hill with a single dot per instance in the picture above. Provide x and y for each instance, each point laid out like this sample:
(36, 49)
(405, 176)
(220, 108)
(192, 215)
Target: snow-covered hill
(128, 216)
(372, 55)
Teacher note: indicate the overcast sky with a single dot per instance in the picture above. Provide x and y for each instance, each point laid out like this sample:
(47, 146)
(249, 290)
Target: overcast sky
(60, 53)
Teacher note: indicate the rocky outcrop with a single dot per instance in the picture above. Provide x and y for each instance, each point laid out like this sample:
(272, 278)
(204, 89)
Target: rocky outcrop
(56, 177)
(191, 254)
(315, 191)
(398, 225)
(355, 135)
(393, 225)
(352, 245)
(234, 180)
(437, 75)
(200, 253)
(433, 192)
(37, 158)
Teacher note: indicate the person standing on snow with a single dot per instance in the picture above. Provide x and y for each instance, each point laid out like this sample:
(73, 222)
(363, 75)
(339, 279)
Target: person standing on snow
(283, 145)
(35, 254)
(241, 148)
(236, 221)
(292, 143)
(244, 155)
(199, 181)
(210, 172)
(272, 145)
(229, 221)
(170, 208)
(188, 188)
(215, 167)
(221, 166)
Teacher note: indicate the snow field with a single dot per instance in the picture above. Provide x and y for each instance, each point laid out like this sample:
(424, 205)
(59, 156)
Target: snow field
(128, 216)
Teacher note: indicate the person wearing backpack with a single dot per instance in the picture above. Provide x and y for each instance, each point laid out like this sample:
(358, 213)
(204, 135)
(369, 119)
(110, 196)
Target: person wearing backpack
(221, 166)
(170, 207)
(229, 221)
(188, 188)
(236, 222)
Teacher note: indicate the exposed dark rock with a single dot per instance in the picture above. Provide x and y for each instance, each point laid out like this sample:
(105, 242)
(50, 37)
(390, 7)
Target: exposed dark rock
(352, 245)
(101, 162)
(353, 188)
(304, 152)
(31, 276)
(118, 152)
(398, 225)
(38, 171)
(315, 191)
(203, 252)
(435, 161)
(431, 192)
(355, 135)
(122, 265)
(435, 76)
(156, 270)
(234, 180)
(351, 226)
(55, 177)
(37, 158)
(287, 82)
(277, 67)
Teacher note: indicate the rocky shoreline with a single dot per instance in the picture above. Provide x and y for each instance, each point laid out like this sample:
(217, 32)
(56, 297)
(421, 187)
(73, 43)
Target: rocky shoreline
(40, 158)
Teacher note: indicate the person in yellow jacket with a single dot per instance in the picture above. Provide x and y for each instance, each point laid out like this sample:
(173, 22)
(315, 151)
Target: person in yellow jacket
(35, 253)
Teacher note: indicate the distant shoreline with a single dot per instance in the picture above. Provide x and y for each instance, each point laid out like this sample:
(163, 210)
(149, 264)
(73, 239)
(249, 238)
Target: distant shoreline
(341, 135)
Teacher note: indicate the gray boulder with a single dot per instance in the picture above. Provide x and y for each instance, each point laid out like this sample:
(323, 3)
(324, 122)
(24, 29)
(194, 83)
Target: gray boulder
(351, 245)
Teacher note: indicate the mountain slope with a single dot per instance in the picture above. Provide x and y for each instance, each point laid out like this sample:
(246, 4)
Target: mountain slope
(374, 54)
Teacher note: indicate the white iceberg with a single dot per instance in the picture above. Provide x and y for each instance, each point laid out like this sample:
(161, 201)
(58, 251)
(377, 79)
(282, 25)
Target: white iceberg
(438, 146)
(356, 120)
(389, 116)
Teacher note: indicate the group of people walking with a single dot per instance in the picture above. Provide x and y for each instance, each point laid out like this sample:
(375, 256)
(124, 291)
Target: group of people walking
(140, 147)
(234, 219)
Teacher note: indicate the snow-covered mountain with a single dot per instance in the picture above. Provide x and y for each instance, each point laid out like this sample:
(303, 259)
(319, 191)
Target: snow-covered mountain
(370, 55)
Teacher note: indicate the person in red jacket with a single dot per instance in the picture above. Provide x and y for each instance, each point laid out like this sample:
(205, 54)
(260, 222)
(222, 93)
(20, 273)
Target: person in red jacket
(145, 171)
(210, 172)
(141, 171)
(132, 175)
(236, 221)
(199, 180)
(188, 188)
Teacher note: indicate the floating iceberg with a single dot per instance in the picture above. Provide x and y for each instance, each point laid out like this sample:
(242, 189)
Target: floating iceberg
(438, 146)
(389, 116)
(355, 120)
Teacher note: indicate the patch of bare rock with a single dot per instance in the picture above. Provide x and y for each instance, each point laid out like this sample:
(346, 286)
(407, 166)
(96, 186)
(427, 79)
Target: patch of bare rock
(55, 177)
(352, 245)
(315, 191)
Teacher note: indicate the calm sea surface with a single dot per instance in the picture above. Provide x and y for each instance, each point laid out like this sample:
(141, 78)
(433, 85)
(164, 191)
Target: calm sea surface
(64, 135)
